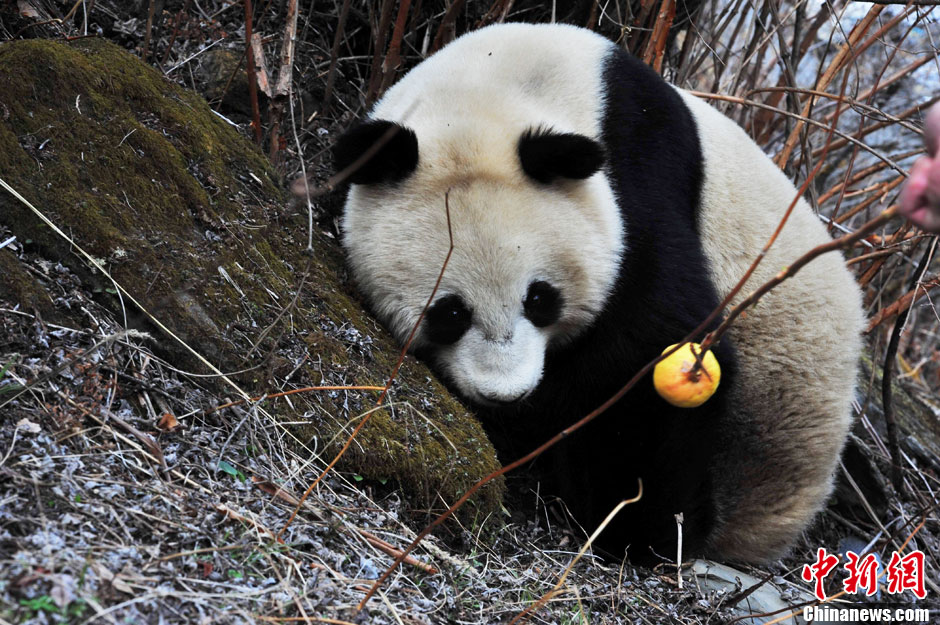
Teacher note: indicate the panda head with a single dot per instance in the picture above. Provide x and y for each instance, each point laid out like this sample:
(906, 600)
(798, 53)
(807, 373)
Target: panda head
(537, 239)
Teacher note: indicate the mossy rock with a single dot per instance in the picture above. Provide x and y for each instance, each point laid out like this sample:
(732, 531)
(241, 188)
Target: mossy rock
(189, 217)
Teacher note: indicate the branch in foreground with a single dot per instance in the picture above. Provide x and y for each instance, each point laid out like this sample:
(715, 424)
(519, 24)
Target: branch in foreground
(531, 609)
(842, 243)
(391, 379)
(887, 372)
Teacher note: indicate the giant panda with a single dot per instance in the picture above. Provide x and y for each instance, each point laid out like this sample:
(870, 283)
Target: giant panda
(598, 216)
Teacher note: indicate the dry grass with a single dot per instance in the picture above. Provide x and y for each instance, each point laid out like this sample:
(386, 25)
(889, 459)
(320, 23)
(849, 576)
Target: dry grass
(106, 517)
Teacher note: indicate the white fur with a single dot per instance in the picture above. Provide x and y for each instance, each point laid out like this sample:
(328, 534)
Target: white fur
(504, 226)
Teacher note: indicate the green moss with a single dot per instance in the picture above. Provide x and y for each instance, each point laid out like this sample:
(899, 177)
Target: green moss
(142, 175)
(21, 288)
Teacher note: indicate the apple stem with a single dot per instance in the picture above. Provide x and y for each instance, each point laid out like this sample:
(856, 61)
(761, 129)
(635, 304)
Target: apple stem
(699, 366)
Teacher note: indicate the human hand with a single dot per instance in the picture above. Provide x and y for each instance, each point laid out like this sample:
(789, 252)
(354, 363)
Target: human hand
(920, 197)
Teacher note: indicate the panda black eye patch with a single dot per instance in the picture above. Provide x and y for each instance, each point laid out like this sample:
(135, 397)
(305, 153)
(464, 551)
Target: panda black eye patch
(394, 151)
(546, 155)
(542, 304)
(447, 320)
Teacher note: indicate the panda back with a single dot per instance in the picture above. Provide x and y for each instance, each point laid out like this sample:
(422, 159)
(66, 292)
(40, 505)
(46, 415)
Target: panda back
(797, 349)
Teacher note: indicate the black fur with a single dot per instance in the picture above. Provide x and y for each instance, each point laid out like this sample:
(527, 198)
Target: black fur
(447, 320)
(547, 155)
(543, 304)
(395, 147)
(663, 292)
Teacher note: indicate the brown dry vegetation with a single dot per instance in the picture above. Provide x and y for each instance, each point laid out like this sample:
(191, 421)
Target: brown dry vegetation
(109, 512)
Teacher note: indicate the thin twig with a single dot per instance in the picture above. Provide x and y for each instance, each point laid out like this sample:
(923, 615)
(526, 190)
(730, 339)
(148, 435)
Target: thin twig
(145, 49)
(522, 616)
(393, 58)
(375, 77)
(252, 86)
(334, 54)
(887, 405)
(306, 389)
(447, 23)
(842, 243)
(679, 519)
(391, 379)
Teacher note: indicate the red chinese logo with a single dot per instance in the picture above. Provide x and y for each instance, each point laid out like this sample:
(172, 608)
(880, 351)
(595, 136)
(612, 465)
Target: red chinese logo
(862, 572)
(906, 573)
(818, 571)
(902, 573)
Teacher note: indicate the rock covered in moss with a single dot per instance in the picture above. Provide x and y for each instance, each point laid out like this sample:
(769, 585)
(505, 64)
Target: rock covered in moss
(190, 219)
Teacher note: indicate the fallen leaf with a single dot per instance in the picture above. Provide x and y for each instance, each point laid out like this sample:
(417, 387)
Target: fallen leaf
(274, 490)
(29, 426)
(168, 423)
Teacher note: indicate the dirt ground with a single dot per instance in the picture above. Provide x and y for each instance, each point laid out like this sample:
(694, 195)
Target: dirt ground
(126, 493)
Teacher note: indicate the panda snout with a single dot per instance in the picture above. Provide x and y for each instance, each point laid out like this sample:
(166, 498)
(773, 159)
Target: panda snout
(498, 368)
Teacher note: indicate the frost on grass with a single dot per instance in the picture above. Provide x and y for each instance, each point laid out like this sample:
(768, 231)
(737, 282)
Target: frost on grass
(106, 517)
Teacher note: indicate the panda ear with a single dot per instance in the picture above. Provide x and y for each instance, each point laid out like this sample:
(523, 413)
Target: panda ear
(547, 155)
(380, 151)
